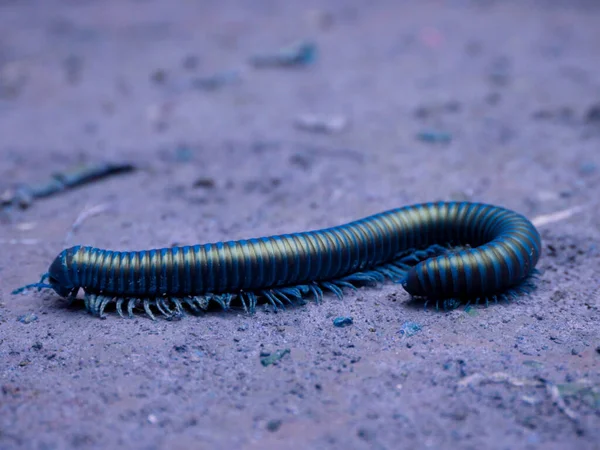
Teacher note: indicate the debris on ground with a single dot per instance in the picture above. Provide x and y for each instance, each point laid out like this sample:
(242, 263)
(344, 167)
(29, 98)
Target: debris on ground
(554, 391)
(26, 241)
(271, 358)
(341, 322)
(159, 76)
(205, 183)
(587, 168)
(190, 62)
(321, 124)
(216, 81)
(274, 425)
(321, 19)
(24, 195)
(409, 329)
(13, 78)
(433, 110)
(87, 213)
(73, 65)
(557, 216)
(27, 318)
(499, 72)
(593, 114)
(183, 153)
(564, 113)
(434, 136)
(303, 53)
(498, 377)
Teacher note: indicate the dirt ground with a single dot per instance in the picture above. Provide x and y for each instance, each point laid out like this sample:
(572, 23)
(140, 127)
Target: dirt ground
(490, 101)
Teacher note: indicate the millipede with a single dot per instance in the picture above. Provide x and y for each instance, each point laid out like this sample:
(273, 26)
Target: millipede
(448, 252)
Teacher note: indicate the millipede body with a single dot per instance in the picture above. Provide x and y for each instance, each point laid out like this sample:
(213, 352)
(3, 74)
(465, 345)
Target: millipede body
(446, 251)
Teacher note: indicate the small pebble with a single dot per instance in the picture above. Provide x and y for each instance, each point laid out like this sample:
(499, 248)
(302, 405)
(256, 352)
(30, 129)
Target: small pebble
(587, 168)
(301, 54)
(28, 318)
(593, 114)
(206, 183)
(432, 136)
(409, 329)
(324, 20)
(73, 65)
(274, 425)
(216, 81)
(321, 124)
(341, 322)
(190, 62)
(183, 154)
(159, 76)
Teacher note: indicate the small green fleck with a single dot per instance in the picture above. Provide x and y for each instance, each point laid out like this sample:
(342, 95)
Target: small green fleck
(274, 357)
(534, 364)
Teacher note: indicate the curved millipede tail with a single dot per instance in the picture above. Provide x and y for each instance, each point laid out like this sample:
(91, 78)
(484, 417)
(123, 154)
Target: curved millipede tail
(450, 252)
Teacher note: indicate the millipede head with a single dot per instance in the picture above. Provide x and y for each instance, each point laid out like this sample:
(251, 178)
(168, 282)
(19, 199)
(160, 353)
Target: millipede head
(58, 276)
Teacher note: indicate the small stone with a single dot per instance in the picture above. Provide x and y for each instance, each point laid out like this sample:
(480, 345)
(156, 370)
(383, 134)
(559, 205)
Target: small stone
(341, 322)
(587, 168)
(365, 434)
(28, 318)
(499, 72)
(274, 425)
(73, 65)
(13, 78)
(216, 81)
(159, 76)
(409, 329)
(183, 154)
(152, 419)
(302, 53)
(324, 20)
(452, 106)
(493, 98)
(321, 124)
(434, 136)
(205, 183)
(37, 346)
(190, 62)
(593, 114)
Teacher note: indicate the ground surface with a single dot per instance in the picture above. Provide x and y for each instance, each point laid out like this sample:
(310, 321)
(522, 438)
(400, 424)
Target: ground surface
(513, 83)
